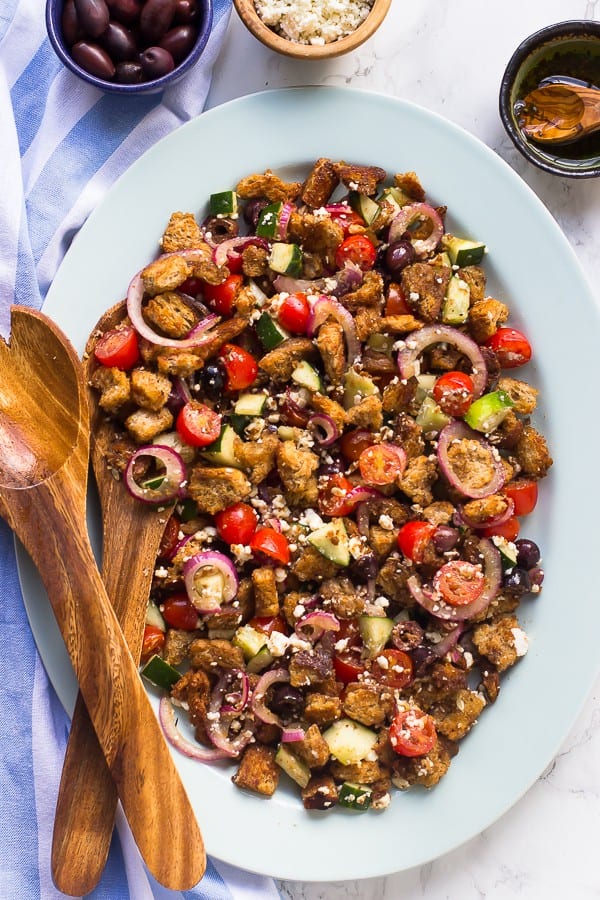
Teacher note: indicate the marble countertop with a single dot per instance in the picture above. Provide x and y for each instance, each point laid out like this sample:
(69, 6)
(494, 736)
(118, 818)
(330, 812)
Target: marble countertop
(449, 56)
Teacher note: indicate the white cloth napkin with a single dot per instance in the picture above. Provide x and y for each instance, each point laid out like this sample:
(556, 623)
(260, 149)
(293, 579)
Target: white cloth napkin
(62, 145)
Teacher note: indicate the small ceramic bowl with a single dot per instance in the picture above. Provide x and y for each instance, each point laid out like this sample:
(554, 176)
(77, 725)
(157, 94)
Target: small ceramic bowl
(569, 49)
(249, 16)
(54, 9)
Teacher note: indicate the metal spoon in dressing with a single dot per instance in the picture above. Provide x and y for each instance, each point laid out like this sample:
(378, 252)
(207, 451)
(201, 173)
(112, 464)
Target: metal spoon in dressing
(559, 112)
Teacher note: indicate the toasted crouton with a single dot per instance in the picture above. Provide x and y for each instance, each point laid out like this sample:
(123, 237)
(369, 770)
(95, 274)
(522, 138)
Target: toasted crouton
(215, 489)
(143, 425)
(114, 386)
(266, 597)
(149, 390)
(182, 233)
(258, 771)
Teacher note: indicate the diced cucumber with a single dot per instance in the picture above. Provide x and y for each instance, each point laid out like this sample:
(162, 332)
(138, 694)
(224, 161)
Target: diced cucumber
(355, 796)
(154, 616)
(375, 633)
(463, 252)
(425, 385)
(457, 301)
(187, 509)
(239, 423)
(430, 417)
(153, 483)
(286, 433)
(172, 439)
(442, 259)
(160, 673)
(508, 552)
(349, 741)
(269, 332)
(225, 203)
(268, 220)
(292, 766)
(260, 661)
(488, 412)
(356, 388)
(382, 343)
(222, 451)
(250, 640)
(331, 540)
(396, 196)
(250, 405)
(307, 376)
(364, 206)
(286, 259)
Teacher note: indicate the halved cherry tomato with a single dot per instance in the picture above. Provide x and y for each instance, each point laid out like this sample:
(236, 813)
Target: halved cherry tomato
(508, 530)
(235, 263)
(393, 667)
(152, 642)
(170, 537)
(524, 494)
(412, 733)
(511, 347)
(179, 612)
(197, 424)
(118, 348)
(294, 313)
(396, 304)
(272, 544)
(352, 443)
(381, 464)
(240, 367)
(236, 524)
(220, 297)
(346, 218)
(347, 661)
(332, 497)
(269, 624)
(453, 392)
(413, 538)
(459, 582)
(357, 249)
(192, 286)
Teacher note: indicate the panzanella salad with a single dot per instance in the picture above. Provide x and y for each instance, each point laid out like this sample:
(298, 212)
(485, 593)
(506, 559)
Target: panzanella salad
(318, 379)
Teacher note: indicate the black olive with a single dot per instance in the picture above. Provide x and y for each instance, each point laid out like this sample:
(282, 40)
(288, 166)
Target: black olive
(399, 255)
(212, 381)
(286, 701)
(517, 581)
(528, 553)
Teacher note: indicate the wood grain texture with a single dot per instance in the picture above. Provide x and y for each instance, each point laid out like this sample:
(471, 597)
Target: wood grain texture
(44, 411)
(560, 113)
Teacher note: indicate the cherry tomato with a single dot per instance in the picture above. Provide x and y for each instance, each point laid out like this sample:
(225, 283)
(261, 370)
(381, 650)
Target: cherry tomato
(393, 667)
(240, 367)
(272, 544)
(118, 348)
(396, 304)
(236, 524)
(153, 642)
(352, 443)
(382, 463)
(269, 624)
(220, 297)
(459, 582)
(347, 661)
(332, 498)
(179, 612)
(453, 392)
(346, 217)
(192, 286)
(412, 733)
(511, 347)
(294, 313)
(197, 424)
(413, 537)
(357, 249)
(524, 494)
(170, 538)
(235, 263)
(508, 530)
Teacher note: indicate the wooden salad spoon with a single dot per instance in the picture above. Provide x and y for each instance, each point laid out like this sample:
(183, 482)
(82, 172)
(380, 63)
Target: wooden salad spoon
(44, 450)
(132, 532)
(559, 113)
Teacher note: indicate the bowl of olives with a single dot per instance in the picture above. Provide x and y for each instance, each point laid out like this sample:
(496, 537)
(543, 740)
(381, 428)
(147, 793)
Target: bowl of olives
(129, 46)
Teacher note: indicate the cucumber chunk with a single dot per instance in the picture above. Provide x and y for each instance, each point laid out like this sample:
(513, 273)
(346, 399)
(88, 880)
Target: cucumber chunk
(292, 766)
(364, 206)
(269, 332)
(349, 741)
(222, 451)
(250, 405)
(268, 220)
(286, 259)
(355, 796)
(430, 417)
(224, 203)
(488, 412)
(249, 640)
(455, 308)
(356, 388)
(160, 673)
(260, 661)
(375, 632)
(332, 542)
(307, 376)
(463, 252)
(154, 616)
(508, 552)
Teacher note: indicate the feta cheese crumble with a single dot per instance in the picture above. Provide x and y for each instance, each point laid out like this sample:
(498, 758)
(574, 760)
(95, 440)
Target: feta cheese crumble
(314, 22)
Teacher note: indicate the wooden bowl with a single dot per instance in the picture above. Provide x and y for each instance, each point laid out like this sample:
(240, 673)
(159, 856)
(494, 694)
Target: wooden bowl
(249, 16)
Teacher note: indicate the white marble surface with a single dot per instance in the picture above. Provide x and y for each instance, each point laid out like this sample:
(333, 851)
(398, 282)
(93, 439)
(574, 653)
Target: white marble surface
(449, 56)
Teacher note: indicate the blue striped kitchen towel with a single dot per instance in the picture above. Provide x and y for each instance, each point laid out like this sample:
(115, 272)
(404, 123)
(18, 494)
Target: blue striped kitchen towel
(62, 144)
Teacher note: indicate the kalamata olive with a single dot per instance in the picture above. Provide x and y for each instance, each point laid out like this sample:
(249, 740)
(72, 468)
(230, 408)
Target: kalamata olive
(422, 658)
(119, 42)
(129, 72)
(93, 59)
(186, 12)
(179, 41)
(445, 538)
(252, 211)
(156, 62)
(125, 11)
(212, 380)
(407, 635)
(528, 553)
(517, 581)
(156, 18)
(399, 255)
(220, 229)
(536, 576)
(286, 701)
(71, 29)
(93, 16)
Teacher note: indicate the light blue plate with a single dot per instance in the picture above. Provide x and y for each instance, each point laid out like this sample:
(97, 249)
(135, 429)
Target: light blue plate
(532, 267)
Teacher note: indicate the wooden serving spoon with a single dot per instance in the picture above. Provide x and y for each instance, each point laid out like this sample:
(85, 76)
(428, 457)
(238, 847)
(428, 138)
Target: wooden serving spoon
(44, 449)
(559, 113)
(132, 532)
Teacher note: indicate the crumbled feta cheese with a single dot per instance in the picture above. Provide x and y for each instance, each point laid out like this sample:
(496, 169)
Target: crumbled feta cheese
(386, 522)
(241, 552)
(314, 22)
(521, 641)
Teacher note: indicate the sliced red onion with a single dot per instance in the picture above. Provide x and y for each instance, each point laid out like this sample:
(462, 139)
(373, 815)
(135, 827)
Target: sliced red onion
(443, 334)
(292, 733)
(341, 282)
(462, 519)
(173, 477)
(362, 492)
(179, 546)
(237, 700)
(259, 707)
(492, 573)
(459, 431)
(448, 642)
(314, 625)
(325, 307)
(217, 725)
(214, 560)
(166, 715)
(179, 396)
(412, 213)
(327, 431)
(283, 220)
(230, 249)
(363, 512)
(200, 327)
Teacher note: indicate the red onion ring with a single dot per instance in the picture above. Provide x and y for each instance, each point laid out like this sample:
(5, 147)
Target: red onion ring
(174, 475)
(284, 220)
(362, 492)
(166, 715)
(314, 624)
(229, 250)
(259, 707)
(461, 519)
(438, 334)
(243, 694)
(325, 307)
(409, 214)
(216, 560)
(323, 422)
(217, 727)
(341, 282)
(448, 642)
(292, 733)
(459, 431)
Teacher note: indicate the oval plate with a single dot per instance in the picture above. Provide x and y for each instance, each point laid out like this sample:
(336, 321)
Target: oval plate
(531, 266)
